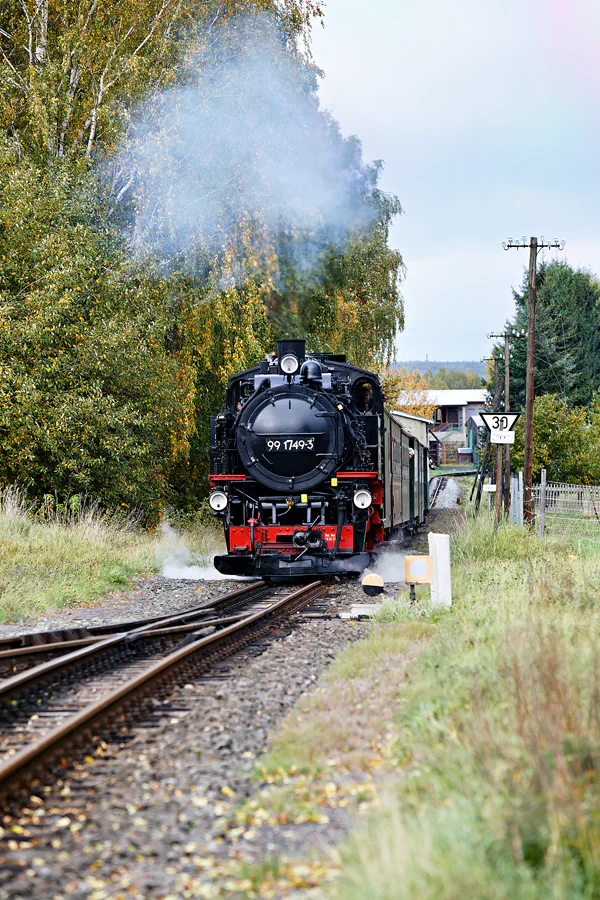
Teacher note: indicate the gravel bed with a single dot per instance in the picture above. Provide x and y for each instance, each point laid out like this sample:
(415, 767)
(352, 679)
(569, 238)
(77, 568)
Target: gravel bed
(449, 495)
(152, 596)
(161, 798)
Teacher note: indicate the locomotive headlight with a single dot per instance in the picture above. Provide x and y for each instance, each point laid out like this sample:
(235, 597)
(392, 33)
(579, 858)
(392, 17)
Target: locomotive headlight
(218, 501)
(362, 499)
(289, 364)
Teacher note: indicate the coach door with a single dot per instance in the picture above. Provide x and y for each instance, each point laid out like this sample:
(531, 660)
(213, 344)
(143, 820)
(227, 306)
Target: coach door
(397, 492)
(412, 478)
(406, 482)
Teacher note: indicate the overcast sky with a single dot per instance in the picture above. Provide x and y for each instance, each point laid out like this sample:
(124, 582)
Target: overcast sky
(488, 120)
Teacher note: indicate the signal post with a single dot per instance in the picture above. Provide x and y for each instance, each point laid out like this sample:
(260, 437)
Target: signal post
(500, 425)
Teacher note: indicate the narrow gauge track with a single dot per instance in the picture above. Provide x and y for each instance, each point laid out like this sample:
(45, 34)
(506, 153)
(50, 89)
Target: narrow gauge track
(41, 723)
(21, 652)
(58, 636)
(440, 482)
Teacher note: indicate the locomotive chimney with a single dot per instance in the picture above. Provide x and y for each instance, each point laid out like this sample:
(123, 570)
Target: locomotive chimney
(288, 350)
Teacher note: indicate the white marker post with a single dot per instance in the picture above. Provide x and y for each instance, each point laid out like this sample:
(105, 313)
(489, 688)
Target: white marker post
(441, 585)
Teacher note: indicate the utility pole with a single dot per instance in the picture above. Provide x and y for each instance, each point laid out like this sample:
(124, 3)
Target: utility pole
(498, 479)
(506, 409)
(505, 335)
(534, 245)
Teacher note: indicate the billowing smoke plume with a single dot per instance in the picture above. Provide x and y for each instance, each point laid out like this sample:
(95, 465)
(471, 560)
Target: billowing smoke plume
(243, 141)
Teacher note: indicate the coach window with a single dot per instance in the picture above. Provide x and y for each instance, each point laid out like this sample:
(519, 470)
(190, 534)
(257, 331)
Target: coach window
(363, 397)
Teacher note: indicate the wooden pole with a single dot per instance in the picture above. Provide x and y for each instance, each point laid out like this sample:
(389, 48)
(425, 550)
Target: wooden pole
(498, 512)
(506, 409)
(534, 245)
(529, 386)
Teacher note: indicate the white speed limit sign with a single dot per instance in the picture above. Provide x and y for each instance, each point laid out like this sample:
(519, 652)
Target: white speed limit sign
(501, 426)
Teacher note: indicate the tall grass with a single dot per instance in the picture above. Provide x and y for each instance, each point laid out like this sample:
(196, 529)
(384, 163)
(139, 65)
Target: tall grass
(55, 557)
(500, 744)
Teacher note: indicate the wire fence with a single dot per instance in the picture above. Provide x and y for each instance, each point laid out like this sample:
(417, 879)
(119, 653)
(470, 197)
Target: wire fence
(571, 511)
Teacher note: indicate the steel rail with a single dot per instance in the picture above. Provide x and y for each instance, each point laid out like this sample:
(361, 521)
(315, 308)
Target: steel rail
(32, 757)
(437, 489)
(25, 678)
(86, 642)
(19, 641)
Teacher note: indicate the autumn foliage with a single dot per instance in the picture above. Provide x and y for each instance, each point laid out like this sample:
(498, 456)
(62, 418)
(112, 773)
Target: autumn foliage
(407, 391)
(115, 350)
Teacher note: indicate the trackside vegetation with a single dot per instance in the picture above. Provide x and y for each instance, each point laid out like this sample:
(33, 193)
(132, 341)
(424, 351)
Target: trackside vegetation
(566, 335)
(567, 373)
(498, 760)
(467, 741)
(54, 556)
(137, 274)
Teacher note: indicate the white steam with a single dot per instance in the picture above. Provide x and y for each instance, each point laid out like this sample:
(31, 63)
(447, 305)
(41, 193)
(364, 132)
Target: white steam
(244, 141)
(176, 560)
(389, 565)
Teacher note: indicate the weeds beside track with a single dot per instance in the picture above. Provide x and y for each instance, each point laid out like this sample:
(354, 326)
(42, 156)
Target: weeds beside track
(499, 734)
(52, 558)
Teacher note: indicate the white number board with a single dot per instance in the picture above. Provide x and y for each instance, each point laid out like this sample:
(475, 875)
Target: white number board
(500, 426)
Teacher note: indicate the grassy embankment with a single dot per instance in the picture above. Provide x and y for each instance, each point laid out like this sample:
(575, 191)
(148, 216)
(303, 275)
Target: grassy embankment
(499, 754)
(469, 739)
(55, 558)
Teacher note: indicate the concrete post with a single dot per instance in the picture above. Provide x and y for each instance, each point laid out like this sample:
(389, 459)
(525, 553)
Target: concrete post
(542, 503)
(441, 587)
(520, 504)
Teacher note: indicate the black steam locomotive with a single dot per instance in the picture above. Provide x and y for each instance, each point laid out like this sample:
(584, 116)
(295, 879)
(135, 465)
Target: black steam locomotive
(309, 472)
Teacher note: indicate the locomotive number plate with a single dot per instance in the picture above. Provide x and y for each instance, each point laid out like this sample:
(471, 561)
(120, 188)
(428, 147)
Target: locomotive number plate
(289, 445)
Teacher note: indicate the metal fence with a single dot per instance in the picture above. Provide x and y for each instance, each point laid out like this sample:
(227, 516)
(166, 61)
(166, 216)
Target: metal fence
(567, 511)
(571, 511)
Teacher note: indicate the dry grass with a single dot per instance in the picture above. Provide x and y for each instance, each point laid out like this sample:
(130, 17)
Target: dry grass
(51, 558)
(548, 751)
(500, 737)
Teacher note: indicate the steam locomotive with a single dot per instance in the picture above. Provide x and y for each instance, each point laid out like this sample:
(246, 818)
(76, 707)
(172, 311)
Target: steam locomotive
(309, 472)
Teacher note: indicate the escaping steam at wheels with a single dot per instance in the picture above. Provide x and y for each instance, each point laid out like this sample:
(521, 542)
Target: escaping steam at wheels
(310, 473)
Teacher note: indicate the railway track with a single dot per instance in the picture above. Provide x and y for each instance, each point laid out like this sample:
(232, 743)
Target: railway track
(440, 482)
(52, 710)
(20, 652)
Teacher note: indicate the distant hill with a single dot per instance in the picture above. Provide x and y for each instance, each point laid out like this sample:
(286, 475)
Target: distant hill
(422, 366)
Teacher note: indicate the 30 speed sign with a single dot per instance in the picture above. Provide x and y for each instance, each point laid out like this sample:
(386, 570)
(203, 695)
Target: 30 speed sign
(501, 426)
